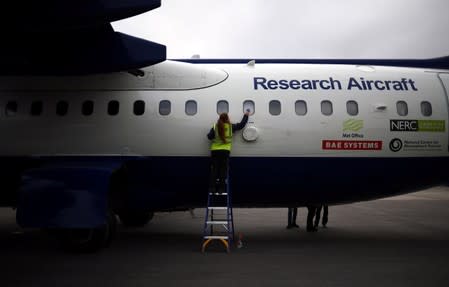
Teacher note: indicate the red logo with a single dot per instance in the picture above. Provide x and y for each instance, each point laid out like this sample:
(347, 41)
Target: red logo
(351, 145)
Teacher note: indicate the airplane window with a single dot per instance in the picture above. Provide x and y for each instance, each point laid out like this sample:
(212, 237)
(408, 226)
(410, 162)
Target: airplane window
(88, 108)
(249, 105)
(326, 108)
(139, 107)
(62, 107)
(191, 108)
(11, 108)
(275, 108)
(36, 108)
(164, 107)
(222, 107)
(113, 108)
(402, 108)
(301, 108)
(426, 109)
(352, 108)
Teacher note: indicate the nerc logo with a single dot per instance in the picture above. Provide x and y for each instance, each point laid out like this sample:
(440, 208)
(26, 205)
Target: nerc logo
(403, 125)
(417, 125)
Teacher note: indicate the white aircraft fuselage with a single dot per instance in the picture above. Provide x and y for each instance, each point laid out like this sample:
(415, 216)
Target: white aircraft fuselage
(316, 134)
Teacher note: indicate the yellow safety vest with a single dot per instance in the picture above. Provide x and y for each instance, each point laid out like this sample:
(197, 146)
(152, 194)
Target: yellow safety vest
(217, 143)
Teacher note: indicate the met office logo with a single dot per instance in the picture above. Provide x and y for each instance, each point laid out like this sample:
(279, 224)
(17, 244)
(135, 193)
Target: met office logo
(395, 145)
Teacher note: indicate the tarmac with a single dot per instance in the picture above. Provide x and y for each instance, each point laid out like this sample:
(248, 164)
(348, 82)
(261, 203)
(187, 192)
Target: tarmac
(398, 241)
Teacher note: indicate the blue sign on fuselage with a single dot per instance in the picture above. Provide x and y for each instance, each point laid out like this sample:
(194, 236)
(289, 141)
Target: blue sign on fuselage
(331, 84)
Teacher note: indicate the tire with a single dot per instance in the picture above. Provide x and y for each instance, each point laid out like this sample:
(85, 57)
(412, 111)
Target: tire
(112, 229)
(135, 218)
(89, 240)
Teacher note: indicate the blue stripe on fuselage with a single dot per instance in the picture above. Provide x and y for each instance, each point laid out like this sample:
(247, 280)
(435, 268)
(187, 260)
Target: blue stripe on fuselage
(432, 63)
(172, 182)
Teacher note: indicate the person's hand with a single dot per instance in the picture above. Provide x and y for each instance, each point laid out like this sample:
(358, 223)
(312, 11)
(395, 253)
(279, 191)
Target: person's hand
(247, 112)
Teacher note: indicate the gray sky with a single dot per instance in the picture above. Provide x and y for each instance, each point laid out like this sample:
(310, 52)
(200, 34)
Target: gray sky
(296, 28)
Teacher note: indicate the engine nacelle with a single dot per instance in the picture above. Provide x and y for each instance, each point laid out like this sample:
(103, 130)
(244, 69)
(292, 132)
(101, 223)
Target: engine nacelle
(64, 197)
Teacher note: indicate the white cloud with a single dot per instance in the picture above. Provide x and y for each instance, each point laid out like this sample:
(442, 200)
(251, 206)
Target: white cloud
(296, 29)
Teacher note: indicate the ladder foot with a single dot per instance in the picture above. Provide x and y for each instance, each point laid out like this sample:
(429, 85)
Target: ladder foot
(224, 241)
(205, 243)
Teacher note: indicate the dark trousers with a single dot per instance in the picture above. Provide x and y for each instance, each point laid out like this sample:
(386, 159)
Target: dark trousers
(310, 215)
(219, 169)
(292, 213)
(318, 214)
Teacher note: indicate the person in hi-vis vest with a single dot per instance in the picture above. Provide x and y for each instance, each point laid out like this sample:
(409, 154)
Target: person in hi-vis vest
(221, 136)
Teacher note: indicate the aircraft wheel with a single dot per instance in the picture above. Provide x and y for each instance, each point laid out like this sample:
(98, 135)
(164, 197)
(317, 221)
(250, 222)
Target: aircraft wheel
(87, 240)
(135, 219)
(112, 229)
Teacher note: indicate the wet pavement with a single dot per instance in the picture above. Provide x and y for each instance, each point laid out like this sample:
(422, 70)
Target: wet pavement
(400, 241)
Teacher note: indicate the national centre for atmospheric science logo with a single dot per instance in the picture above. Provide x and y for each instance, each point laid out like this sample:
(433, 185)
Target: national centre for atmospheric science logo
(395, 145)
(418, 145)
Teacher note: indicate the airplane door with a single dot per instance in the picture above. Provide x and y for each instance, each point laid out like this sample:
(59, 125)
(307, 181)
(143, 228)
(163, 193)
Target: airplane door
(444, 78)
(445, 81)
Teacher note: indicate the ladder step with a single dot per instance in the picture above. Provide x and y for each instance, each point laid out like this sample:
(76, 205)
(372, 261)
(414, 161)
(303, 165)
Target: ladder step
(216, 237)
(217, 222)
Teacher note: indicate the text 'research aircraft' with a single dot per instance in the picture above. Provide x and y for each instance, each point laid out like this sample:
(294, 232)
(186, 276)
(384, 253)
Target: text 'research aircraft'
(97, 123)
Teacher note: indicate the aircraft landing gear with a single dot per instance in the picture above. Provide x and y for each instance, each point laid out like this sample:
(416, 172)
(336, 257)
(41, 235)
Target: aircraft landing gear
(135, 218)
(87, 240)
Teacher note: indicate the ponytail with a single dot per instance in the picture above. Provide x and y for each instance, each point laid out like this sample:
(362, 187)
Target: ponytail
(222, 120)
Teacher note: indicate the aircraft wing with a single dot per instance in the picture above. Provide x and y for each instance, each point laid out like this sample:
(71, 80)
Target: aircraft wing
(73, 37)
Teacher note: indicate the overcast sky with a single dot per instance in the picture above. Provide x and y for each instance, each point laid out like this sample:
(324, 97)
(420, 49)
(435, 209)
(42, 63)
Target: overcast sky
(296, 28)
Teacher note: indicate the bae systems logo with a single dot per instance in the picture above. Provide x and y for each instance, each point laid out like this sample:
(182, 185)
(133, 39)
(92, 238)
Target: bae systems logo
(395, 145)
(351, 145)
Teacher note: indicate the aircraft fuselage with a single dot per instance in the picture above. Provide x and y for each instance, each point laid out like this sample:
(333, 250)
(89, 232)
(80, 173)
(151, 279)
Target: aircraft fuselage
(316, 133)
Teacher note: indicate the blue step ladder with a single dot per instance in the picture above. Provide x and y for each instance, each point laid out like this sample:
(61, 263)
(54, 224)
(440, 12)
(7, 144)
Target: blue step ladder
(219, 221)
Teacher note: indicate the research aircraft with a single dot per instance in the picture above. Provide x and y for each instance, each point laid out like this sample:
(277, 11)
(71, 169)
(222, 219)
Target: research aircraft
(126, 136)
